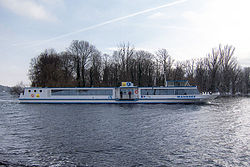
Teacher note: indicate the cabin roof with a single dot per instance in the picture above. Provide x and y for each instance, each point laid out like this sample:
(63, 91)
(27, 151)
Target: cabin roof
(148, 87)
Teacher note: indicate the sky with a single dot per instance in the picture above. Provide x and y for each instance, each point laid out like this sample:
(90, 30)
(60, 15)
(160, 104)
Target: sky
(188, 29)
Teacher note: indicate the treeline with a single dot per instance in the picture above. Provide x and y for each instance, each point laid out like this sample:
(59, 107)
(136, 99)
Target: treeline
(83, 65)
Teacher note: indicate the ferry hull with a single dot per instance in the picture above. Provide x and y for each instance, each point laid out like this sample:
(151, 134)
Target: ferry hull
(117, 95)
(108, 101)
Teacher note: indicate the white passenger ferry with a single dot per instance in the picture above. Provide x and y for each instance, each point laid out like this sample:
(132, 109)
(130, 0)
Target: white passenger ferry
(173, 92)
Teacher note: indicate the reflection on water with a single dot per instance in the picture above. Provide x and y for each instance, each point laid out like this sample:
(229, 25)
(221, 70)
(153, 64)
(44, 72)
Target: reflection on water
(216, 134)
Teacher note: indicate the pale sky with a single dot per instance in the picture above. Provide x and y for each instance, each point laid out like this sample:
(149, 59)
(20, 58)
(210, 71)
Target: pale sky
(186, 28)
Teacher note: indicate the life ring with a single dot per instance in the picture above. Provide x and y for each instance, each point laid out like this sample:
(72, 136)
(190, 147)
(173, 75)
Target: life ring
(136, 91)
(32, 95)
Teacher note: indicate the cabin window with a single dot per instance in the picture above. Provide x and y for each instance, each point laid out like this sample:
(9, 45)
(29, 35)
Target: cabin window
(64, 92)
(95, 92)
(41, 91)
(180, 92)
(34, 90)
(192, 91)
(147, 92)
(157, 91)
(164, 92)
(82, 92)
(29, 90)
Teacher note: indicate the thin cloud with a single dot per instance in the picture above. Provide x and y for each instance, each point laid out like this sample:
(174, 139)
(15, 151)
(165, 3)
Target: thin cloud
(158, 15)
(28, 8)
(36, 43)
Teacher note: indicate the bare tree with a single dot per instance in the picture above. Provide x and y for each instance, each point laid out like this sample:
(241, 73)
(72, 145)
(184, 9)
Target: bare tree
(144, 68)
(45, 70)
(201, 74)
(227, 64)
(123, 57)
(106, 72)
(95, 69)
(17, 89)
(245, 83)
(189, 66)
(235, 73)
(67, 67)
(166, 62)
(82, 51)
(213, 63)
(178, 71)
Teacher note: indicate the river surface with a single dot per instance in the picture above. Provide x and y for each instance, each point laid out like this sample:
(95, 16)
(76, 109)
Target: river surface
(215, 134)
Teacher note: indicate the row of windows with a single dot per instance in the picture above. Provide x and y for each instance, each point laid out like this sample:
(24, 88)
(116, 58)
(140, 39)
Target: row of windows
(68, 92)
(169, 91)
(35, 91)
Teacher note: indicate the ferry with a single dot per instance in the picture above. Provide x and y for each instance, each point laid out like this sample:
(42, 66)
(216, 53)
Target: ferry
(172, 92)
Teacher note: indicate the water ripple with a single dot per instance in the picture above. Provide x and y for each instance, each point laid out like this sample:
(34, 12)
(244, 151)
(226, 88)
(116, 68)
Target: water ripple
(215, 134)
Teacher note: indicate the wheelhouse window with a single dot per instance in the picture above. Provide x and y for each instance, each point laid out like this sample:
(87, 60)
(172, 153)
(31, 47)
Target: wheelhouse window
(81, 92)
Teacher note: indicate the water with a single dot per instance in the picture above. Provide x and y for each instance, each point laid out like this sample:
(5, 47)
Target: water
(216, 134)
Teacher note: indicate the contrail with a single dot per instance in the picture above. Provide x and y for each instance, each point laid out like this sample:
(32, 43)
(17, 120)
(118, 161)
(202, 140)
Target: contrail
(104, 23)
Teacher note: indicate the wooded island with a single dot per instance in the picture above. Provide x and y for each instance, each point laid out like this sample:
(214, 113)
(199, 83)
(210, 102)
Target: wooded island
(83, 65)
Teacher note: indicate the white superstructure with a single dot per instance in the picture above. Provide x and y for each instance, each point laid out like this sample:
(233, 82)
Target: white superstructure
(173, 92)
